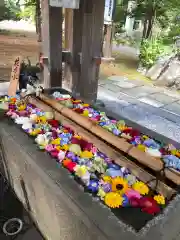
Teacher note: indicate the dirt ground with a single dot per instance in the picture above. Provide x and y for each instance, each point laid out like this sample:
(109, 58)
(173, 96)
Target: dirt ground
(13, 44)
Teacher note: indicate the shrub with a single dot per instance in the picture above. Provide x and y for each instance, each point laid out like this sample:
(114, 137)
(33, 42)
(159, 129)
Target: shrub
(150, 50)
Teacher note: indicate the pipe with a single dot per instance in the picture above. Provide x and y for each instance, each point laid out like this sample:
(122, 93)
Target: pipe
(109, 151)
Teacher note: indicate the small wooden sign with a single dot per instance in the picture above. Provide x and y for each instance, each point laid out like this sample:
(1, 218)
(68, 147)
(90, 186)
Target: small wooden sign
(15, 73)
(64, 3)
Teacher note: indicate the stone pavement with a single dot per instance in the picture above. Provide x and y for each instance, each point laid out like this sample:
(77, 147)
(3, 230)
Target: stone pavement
(152, 107)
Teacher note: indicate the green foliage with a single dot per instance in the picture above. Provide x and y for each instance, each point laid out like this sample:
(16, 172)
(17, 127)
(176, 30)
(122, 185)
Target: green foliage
(10, 10)
(28, 13)
(150, 50)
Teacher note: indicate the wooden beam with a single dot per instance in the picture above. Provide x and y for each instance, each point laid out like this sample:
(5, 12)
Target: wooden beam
(52, 44)
(91, 48)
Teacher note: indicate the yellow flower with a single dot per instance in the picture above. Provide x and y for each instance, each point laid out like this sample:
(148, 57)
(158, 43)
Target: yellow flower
(141, 147)
(75, 148)
(101, 193)
(86, 154)
(35, 132)
(107, 179)
(22, 107)
(119, 185)
(113, 200)
(80, 171)
(141, 187)
(42, 119)
(65, 147)
(56, 141)
(58, 147)
(85, 113)
(77, 136)
(145, 137)
(159, 199)
(85, 105)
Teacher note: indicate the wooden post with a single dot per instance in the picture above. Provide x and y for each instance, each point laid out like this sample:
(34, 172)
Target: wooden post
(108, 42)
(76, 48)
(68, 45)
(52, 44)
(91, 48)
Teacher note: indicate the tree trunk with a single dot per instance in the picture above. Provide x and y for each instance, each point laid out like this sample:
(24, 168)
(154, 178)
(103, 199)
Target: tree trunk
(38, 20)
(144, 29)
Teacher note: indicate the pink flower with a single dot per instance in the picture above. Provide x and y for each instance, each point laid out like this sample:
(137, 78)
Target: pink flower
(49, 148)
(133, 194)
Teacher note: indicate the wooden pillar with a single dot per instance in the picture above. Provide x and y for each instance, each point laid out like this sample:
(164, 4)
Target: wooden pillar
(52, 44)
(68, 45)
(76, 48)
(91, 48)
(108, 42)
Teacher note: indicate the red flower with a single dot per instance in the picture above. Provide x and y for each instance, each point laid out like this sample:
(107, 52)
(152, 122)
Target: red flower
(75, 141)
(85, 145)
(54, 123)
(132, 132)
(54, 153)
(78, 110)
(135, 202)
(54, 135)
(149, 205)
(69, 129)
(70, 166)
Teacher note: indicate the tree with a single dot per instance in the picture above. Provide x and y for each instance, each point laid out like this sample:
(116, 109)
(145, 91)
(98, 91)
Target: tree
(10, 10)
(153, 10)
(32, 8)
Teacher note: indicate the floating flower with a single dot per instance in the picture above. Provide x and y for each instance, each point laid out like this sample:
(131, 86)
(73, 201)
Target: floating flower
(75, 148)
(53, 123)
(131, 179)
(56, 141)
(140, 187)
(65, 162)
(113, 200)
(49, 148)
(125, 202)
(80, 171)
(101, 193)
(93, 186)
(61, 155)
(149, 205)
(119, 184)
(65, 147)
(130, 193)
(107, 179)
(54, 153)
(71, 166)
(159, 199)
(86, 154)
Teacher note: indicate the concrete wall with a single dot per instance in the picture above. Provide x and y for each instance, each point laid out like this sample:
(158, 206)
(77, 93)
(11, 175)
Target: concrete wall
(57, 203)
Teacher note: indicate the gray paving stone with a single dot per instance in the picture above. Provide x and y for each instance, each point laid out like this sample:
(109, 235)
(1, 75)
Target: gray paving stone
(125, 84)
(170, 93)
(173, 107)
(106, 93)
(118, 78)
(163, 98)
(112, 87)
(150, 101)
(140, 91)
(162, 126)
